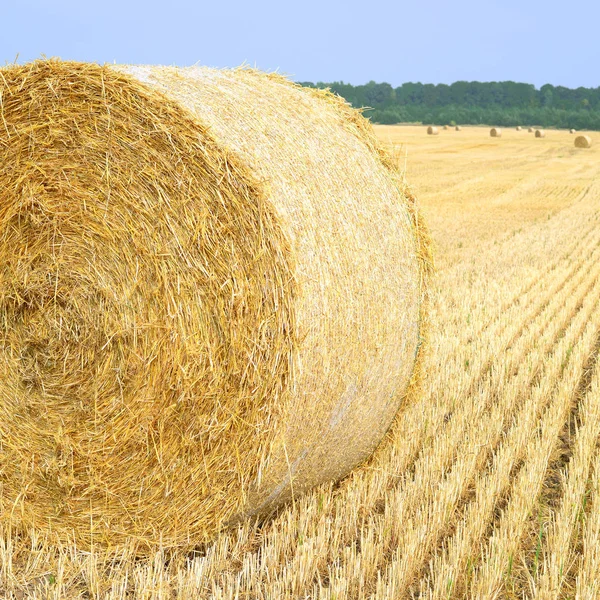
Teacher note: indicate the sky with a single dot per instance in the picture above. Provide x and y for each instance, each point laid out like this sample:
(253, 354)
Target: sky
(432, 41)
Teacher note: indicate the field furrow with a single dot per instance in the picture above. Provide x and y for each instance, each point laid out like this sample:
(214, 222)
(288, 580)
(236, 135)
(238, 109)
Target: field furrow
(588, 577)
(493, 573)
(488, 427)
(457, 560)
(559, 549)
(452, 441)
(455, 563)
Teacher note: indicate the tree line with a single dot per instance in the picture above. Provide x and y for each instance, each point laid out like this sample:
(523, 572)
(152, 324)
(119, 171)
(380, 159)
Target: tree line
(503, 103)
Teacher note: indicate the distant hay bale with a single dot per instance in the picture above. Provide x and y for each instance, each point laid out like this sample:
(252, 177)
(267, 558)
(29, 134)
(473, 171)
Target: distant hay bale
(519, 128)
(446, 127)
(495, 132)
(571, 130)
(583, 141)
(211, 297)
(432, 130)
(540, 133)
(530, 129)
(458, 128)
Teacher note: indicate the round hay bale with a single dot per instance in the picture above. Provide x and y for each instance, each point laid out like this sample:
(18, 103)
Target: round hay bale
(530, 129)
(446, 127)
(583, 141)
(572, 130)
(211, 297)
(458, 128)
(432, 130)
(540, 133)
(496, 132)
(519, 128)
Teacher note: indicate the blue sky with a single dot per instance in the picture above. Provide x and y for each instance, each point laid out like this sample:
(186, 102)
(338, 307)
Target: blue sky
(533, 41)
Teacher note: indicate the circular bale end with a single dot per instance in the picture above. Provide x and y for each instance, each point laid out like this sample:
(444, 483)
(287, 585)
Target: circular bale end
(495, 132)
(432, 130)
(183, 346)
(583, 141)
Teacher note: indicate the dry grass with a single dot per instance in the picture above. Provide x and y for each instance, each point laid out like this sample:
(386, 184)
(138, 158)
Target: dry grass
(488, 486)
(205, 307)
(583, 141)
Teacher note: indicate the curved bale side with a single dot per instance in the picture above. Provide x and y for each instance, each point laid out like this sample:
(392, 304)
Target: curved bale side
(495, 132)
(583, 141)
(432, 130)
(540, 133)
(211, 291)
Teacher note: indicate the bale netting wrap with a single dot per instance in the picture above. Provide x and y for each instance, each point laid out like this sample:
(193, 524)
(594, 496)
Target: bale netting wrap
(210, 295)
(583, 141)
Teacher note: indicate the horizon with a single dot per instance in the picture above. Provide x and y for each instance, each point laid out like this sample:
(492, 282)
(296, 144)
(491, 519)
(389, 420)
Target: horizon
(537, 88)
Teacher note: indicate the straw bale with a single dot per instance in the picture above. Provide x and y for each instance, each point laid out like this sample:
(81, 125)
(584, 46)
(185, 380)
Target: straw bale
(432, 130)
(530, 129)
(496, 132)
(519, 128)
(583, 141)
(540, 133)
(458, 128)
(212, 294)
(572, 130)
(446, 128)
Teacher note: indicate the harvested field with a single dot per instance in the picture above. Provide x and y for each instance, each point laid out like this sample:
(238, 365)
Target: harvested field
(488, 486)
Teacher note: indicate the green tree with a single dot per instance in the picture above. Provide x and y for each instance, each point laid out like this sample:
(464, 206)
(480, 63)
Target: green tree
(505, 103)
